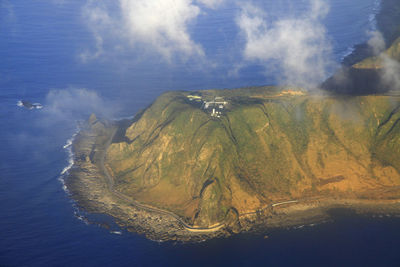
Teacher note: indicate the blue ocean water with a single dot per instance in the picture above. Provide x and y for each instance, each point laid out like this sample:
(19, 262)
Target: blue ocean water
(40, 44)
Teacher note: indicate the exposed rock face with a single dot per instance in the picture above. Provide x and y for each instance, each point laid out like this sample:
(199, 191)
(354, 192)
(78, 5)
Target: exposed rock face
(266, 147)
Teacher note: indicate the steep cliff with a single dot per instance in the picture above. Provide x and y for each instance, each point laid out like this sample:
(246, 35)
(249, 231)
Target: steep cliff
(373, 75)
(377, 62)
(210, 163)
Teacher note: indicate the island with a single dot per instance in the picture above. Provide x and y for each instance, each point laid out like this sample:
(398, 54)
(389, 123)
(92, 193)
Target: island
(196, 165)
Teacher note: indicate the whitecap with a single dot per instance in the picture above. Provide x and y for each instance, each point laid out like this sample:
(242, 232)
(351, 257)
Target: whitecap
(116, 232)
(66, 169)
(37, 105)
(372, 17)
(80, 217)
(68, 143)
(68, 148)
(346, 53)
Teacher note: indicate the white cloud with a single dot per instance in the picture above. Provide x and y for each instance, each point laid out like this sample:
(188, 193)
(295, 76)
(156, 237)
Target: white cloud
(162, 24)
(390, 72)
(100, 23)
(153, 25)
(211, 3)
(298, 46)
(69, 105)
(376, 42)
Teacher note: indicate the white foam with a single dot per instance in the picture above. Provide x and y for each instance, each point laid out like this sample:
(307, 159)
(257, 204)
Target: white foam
(70, 164)
(80, 217)
(372, 17)
(68, 148)
(372, 26)
(349, 51)
(68, 143)
(298, 227)
(30, 106)
(64, 186)
(37, 105)
(116, 232)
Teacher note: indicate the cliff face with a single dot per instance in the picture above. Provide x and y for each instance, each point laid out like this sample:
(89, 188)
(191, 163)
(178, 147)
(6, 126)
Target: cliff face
(266, 146)
(377, 62)
(370, 75)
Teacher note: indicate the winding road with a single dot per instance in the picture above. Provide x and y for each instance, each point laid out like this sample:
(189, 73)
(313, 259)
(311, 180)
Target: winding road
(110, 183)
(214, 228)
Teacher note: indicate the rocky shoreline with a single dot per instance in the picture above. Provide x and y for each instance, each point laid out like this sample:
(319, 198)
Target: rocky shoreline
(88, 185)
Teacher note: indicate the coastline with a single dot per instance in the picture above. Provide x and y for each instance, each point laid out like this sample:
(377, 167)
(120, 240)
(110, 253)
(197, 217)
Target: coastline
(89, 186)
(384, 23)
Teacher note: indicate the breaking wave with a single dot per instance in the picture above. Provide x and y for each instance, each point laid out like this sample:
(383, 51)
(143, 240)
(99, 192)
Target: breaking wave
(372, 17)
(373, 26)
(29, 105)
(116, 232)
(348, 52)
(68, 148)
(37, 105)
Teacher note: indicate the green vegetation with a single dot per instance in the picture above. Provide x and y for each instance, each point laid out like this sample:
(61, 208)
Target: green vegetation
(270, 144)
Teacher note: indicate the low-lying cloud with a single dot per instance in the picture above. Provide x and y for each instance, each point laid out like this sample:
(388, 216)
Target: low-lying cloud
(390, 69)
(71, 105)
(297, 47)
(391, 73)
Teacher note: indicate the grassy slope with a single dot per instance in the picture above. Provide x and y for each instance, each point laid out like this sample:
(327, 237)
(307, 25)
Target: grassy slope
(265, 148)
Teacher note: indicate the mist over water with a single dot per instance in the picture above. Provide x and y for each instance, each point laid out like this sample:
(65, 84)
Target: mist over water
(78, 57)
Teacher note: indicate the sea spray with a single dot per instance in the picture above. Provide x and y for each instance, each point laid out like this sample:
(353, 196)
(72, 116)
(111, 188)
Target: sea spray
(79, 213)
(68, 148)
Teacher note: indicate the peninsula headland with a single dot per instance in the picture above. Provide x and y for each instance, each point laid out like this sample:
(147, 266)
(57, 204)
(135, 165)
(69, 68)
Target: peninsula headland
(193, 166)
(203, 164)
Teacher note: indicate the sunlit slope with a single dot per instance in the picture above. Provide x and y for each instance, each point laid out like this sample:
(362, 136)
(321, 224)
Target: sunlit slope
(266, 147)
